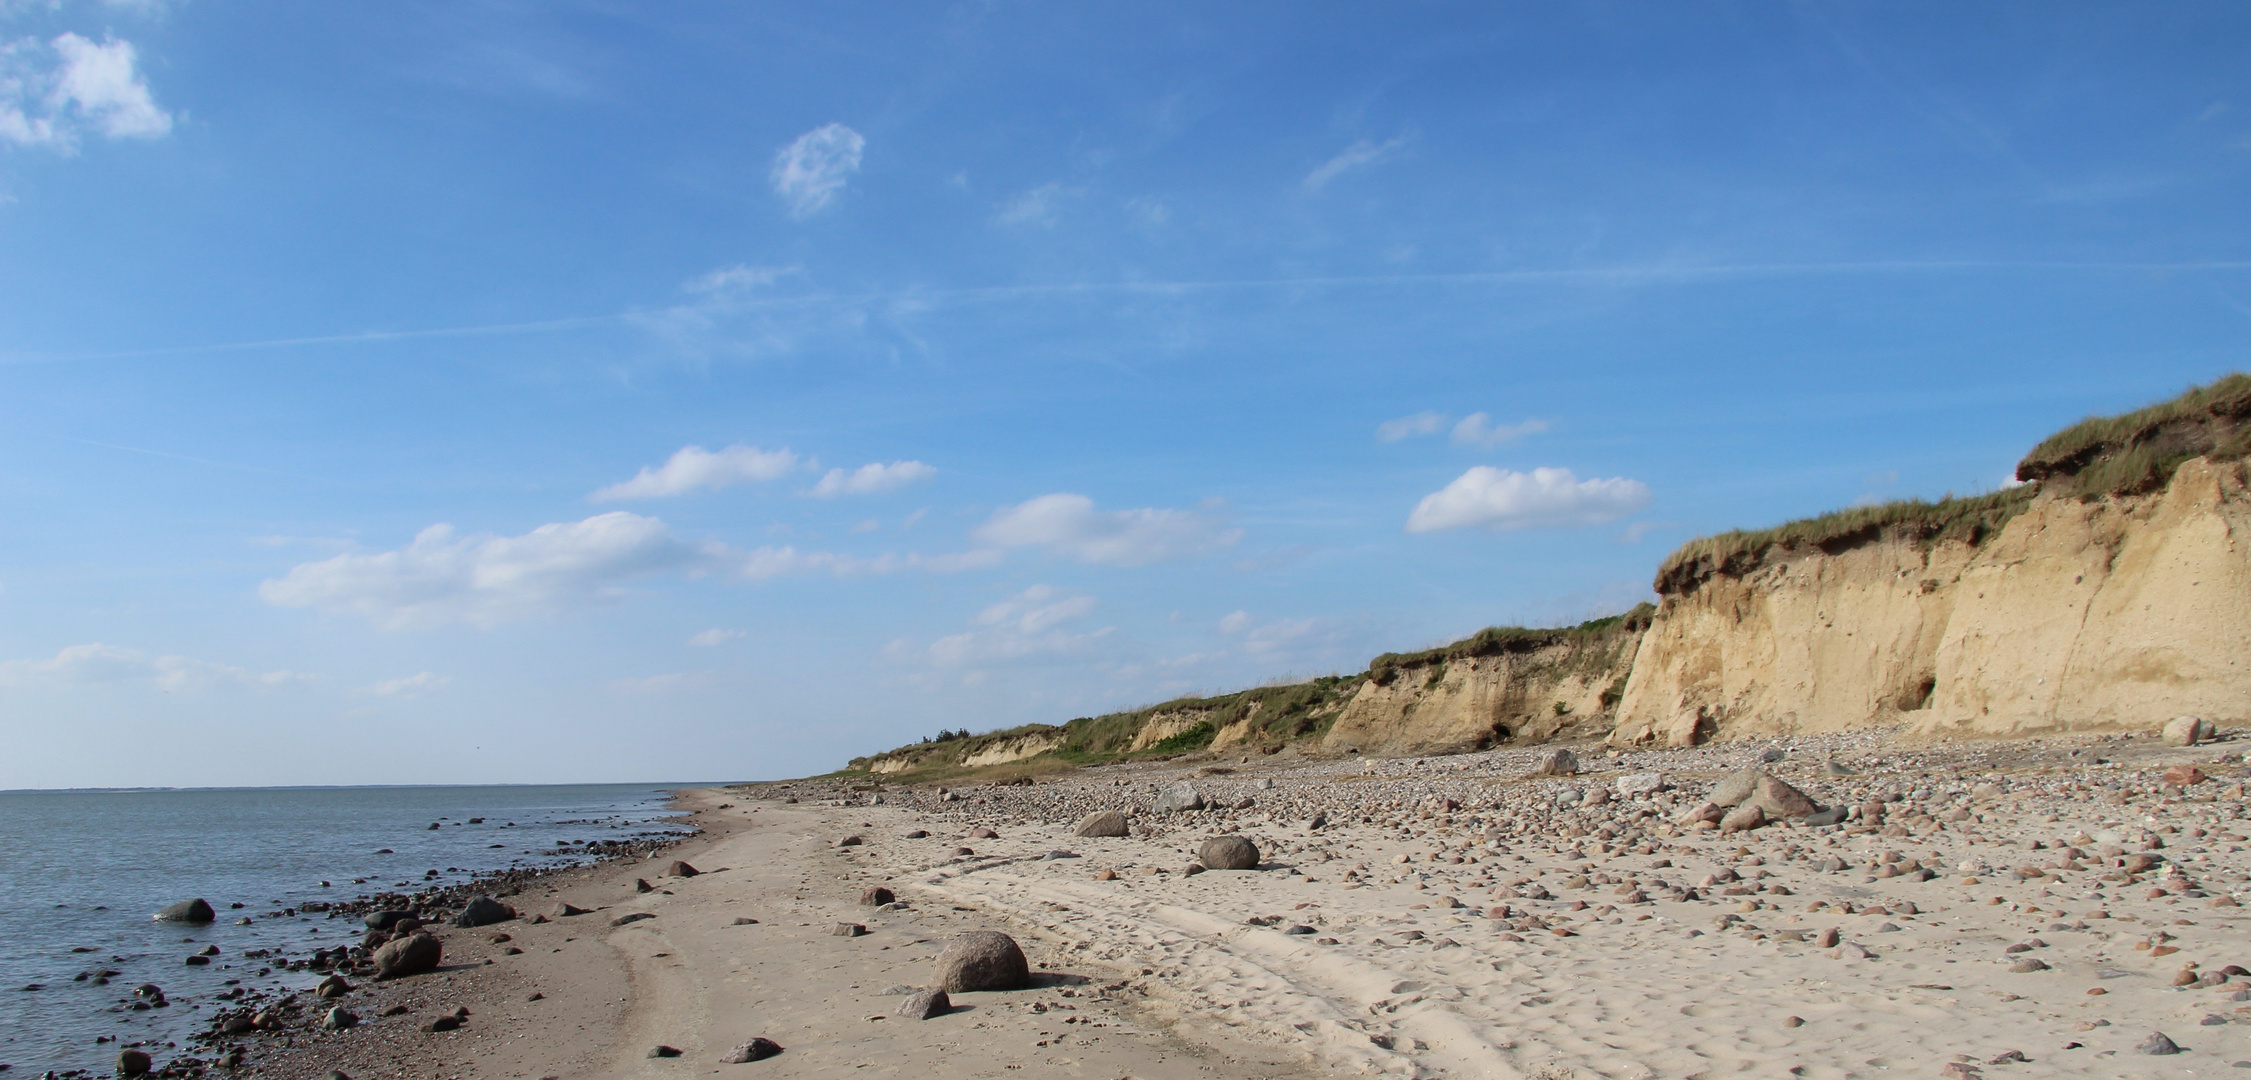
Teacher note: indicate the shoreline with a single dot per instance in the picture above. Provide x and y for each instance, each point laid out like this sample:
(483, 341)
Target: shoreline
(2056, 900)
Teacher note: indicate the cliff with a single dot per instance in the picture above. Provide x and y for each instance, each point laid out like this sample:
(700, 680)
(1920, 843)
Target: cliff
(2112, 591)
(1495, 688)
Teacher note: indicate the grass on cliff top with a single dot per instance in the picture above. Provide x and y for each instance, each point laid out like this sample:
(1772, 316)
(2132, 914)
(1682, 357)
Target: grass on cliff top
(2129, 454)
(1495, 640)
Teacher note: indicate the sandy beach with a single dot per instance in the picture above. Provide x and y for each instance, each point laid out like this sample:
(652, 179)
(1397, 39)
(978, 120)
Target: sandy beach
(2031, 908)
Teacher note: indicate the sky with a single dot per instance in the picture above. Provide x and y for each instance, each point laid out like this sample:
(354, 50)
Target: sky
(489, 392)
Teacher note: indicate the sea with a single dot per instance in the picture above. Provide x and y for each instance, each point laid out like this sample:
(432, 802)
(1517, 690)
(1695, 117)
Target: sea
(81, 872)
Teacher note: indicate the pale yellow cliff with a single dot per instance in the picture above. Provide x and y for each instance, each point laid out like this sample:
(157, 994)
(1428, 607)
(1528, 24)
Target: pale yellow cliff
(2115, 613)
(1463, 704)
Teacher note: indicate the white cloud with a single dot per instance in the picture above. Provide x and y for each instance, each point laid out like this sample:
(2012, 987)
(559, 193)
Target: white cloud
(410, 686)
(660, 684)
(1407, 427)
(1502, 499)
(1264, 638)
(693, 467)
(1038, 206)
(809, 172)
(1030, 623)
(1071, 525)
(736, 279)
(715, 636)
(1235, 623)
(98, 664)
(485, 580)
(51, 91)
(1148, 211)
(1359, 155)
(872, 479)
(1476, 430)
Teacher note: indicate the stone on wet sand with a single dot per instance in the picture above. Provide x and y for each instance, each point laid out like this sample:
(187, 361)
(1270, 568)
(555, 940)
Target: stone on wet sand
(1103, 823)
(924, 1004)
(877, 896)
(662, 1051)
(758, 1049)
(187, 911)
(982, 960)
(566, 910)
(2157, 1043)
(847, 929)
(483, 911)
(133, 1063)
(338, 1019)
(680, 869)
(1177, 798)
(410, 955)
(1228, 853)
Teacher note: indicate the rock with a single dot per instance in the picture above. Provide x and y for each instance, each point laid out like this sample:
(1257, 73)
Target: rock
(410, 955)
(1743, 818)
(1738, 786)
(754, 1050)
(662, 1051)
(2028, 964)
(1781, 801)
(1103, 823)
(1687, 728)
(916, 834)
(847, 929)
(1835, 815)
(2188, 731)
(982, 960)
(333, 986)
(447, 1022)
(1704, 811)
(924, 1004)
(983, 832)
(1648, 783)
(566, 910)
(2157, 1043)
(338, 1019)
(484, 911)
(2184, 776)
(1772, 754)
(641, 885)
(187, 911)
(133, 1063)
(742, 920)
(680, 869)
(1228, 853)
(1179, 797)
(632, 918)
(384, 920)
(850, 841)
(877, 896)
(1557, 762)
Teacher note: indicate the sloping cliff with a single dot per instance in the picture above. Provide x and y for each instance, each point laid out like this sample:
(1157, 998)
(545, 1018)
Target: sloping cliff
(1479, 693)
(2113, 592)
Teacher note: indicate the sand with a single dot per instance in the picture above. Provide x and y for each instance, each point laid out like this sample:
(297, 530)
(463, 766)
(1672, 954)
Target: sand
(1589, 941)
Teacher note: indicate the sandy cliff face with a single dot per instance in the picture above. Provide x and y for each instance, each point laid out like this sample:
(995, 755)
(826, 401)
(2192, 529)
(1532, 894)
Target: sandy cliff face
(1468, 704)
(2118, 613)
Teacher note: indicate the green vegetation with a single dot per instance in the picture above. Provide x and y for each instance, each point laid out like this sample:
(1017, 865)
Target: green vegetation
(2131, 454)
(1496, 640)
(1195, 738)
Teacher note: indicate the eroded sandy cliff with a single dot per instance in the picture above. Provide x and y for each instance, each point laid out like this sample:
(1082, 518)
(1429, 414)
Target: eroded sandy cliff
(2118, 612)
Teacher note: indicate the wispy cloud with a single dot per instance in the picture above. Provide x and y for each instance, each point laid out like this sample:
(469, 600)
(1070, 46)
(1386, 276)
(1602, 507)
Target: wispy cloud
(693, 467)
(484, 580)
(1070, 524)
(1407, 427)
(1040, 207)
(1501, 500)
(410, 686)
(1359, 155)
(715, 637)
(1031, 623)
(1477, 430)
(872, 479)
(98, 664)
(52, 92)
(810, 171)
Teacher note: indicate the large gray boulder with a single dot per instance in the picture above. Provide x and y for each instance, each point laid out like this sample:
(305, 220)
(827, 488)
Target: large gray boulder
(187, 911)
(1103, 823)
(410, 955)
(982, 960)
(1738, 786)
(1558, 762)
(384, 920)
(1178, 797)
(924, 1004)
(1228, 853)
(1779, 800)
(484, 911)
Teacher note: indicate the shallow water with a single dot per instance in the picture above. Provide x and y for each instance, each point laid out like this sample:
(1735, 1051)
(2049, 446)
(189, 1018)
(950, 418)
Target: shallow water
(87, 869)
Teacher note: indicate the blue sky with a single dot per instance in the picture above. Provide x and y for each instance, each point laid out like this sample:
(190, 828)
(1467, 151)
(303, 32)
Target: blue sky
(468, 392)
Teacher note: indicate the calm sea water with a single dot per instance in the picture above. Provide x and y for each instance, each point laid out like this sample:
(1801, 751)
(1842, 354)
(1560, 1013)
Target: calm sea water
(85, 870)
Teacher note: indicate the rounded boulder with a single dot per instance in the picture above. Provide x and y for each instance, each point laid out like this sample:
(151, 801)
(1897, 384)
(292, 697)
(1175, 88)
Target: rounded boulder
(484, 911)
(982, 960)
(1228, 853)
(409, 955)
(188, 911)
(1103, 823)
